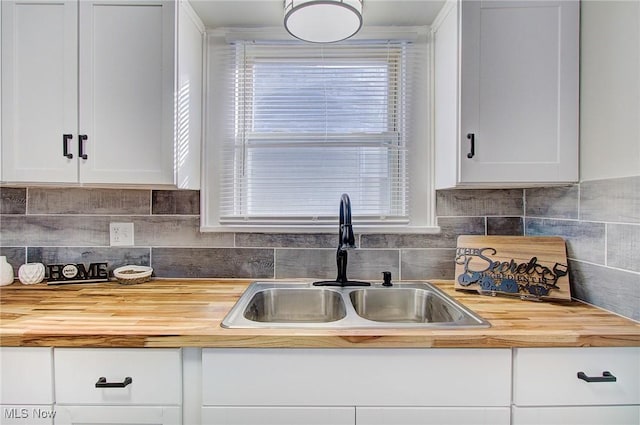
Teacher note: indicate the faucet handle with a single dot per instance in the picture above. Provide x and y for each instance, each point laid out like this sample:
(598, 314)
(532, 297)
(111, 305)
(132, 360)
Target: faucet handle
(386, 279)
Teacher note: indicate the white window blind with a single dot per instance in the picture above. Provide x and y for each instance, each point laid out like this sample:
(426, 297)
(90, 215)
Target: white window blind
(304, 123)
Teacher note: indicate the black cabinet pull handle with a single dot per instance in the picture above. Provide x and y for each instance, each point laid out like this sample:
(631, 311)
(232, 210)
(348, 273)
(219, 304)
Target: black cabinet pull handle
(472, 138)
(606, 377)
(81, 154)
(102, 383)
(65, 145)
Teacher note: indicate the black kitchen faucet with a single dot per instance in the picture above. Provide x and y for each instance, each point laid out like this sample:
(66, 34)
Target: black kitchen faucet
(346, 241)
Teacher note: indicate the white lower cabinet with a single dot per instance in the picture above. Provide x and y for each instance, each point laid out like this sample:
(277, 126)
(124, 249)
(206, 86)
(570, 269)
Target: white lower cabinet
(581, 415)
(118, 386)
(120, 415)
(26, 390)
(278, 415)
(576, 386)
(432, 415)
(356, 386)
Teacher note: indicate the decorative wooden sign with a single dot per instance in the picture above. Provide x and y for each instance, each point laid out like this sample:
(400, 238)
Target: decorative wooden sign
(77, 273)
(532, 267)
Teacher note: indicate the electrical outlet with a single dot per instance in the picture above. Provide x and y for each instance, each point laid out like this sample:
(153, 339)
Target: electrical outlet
(121, 234)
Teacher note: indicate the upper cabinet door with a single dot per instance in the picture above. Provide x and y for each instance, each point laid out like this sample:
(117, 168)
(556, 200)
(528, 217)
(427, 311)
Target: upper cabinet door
(126, 91)
(39, 91)
(519, 91)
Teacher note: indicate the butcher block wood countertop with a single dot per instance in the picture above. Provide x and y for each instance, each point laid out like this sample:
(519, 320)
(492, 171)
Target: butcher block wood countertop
(187, 313)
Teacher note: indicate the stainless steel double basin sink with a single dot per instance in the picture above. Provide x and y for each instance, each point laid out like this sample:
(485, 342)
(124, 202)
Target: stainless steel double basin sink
(302, 305)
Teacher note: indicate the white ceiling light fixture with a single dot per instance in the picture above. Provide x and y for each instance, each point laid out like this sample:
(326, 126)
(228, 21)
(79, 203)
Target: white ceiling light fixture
(322, 21)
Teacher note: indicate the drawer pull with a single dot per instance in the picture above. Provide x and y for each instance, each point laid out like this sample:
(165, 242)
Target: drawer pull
(606, 377)
(102, 383)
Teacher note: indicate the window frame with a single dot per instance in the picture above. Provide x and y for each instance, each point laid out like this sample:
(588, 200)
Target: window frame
(421, 188)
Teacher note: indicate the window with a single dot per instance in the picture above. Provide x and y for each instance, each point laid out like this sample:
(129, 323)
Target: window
(294, 125)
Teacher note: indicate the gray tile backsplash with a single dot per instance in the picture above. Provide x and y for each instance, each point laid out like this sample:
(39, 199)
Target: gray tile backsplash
(505, 226)
(623, 247)
(13, 200)
(321, 263)
(585, 240)
(249, 263)
(609, 288)
(600, 221)
(114, 256)
(479, 202)
(88, 201)
(556, 202)
(612, 200)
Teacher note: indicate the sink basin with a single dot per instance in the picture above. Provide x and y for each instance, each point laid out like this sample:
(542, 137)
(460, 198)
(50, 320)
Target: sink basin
(410, 305)
(295, 305)
(302, 305)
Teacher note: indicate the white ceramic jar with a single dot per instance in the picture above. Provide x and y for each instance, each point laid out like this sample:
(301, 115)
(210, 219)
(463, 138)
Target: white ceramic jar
(31, 273)
(6, 272)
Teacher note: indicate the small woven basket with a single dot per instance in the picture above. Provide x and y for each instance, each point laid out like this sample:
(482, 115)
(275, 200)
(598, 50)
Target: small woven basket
(132, 275)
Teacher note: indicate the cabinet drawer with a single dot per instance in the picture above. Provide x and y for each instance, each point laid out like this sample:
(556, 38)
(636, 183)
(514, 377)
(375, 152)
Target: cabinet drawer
(156, 376)
(27, 375)
(577, 415)
(356, 377)
(549, 376)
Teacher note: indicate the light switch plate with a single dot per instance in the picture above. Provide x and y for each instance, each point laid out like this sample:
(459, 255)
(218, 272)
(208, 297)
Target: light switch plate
(121, 234)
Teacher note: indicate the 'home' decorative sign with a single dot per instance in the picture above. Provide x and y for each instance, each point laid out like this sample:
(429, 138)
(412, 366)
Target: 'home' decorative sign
(77, 273)
(532, 267)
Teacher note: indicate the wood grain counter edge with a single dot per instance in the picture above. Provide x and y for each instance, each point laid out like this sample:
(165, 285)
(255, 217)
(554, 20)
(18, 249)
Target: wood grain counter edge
(187, 313)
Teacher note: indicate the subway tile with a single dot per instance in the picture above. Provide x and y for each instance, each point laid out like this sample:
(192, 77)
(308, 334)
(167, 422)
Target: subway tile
(623, 246)
(552, 202)
(611, 289)
(479, 202)
(321, 263)
(175, 202)
(88, 201)
(420, 264)
(450, 228)
(114, 256)
(55, 230)
(248, 263)
(611, 200)
(16, 256)
(510, 226)
(13, 200)
(287, 240)
(585, 240)
(175, 231)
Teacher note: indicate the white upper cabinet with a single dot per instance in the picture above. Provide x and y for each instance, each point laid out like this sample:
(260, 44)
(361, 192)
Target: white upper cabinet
(39, 91)
(506, 93)
(88, 92)
(126, 91)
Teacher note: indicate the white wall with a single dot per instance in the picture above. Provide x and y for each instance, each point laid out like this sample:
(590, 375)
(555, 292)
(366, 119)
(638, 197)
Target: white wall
(610, 89)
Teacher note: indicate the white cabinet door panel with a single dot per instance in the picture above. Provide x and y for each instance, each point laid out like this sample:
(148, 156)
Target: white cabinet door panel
(519, 91)
(278, 415)
(126, 86)
(26, 414)
(432, 416)
(356, 377)
(39, 90)
(27, 375)
(117, 415)
(584, 415)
